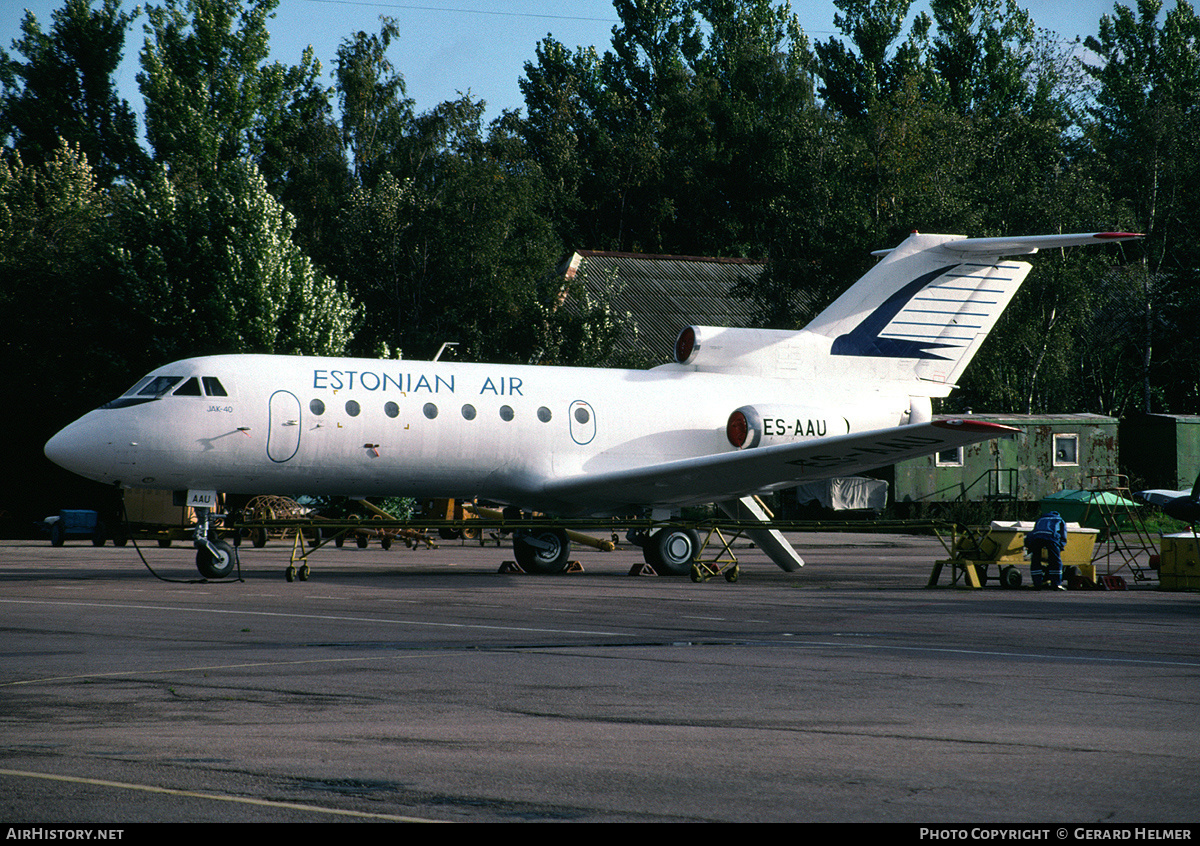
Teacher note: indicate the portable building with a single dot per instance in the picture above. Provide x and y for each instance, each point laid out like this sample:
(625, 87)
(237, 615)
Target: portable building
(1161, 450)
(1049, 453)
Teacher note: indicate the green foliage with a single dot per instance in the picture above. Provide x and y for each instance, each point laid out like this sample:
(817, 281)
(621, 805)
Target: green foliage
(447, 244)
(211, 98)
(64, 90)
(857, 75)
(706, 127)
(1146, 130)
(58, 334)
(575, 328)
(214, 270)
(52, 227)
(375, 112)
(685, 138)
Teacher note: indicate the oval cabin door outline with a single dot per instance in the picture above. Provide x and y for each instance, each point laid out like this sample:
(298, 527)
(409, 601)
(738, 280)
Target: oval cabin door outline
(583, 422)
(283, 427)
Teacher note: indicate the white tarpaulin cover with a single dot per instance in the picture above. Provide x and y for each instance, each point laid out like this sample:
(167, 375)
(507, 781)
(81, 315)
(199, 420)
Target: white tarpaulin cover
(847, 493)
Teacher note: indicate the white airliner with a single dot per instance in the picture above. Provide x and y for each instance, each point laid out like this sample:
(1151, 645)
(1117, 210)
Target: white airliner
(739, 412)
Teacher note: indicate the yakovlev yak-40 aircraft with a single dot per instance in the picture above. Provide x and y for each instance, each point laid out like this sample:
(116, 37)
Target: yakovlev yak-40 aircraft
(739, 412)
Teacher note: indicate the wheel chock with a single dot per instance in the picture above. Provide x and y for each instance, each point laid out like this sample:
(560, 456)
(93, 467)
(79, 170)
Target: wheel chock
(1112, 582)
(514, 569)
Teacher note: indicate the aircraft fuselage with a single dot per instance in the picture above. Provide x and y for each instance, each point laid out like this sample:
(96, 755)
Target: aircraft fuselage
(365, 427)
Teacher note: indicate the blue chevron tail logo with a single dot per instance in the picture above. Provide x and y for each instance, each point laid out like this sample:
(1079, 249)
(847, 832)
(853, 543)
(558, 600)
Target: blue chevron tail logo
(866, 338)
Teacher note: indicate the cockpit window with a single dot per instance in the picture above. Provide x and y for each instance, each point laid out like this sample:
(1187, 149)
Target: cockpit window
(190, 388)
(141, 383)
(159, 385)
(151, 388)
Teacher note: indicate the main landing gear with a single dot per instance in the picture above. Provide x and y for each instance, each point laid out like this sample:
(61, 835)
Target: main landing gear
(215, 559)
(542, 550)
(671, 550)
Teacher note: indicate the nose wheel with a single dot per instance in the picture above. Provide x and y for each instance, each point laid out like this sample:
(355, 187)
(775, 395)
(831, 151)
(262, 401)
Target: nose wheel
(215, 559)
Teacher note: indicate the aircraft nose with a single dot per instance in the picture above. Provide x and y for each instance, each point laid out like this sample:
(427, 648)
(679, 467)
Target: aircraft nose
(76, 448)
(64, 447)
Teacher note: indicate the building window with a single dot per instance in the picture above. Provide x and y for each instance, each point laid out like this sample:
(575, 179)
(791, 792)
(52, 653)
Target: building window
(949, 458)
(1066, 450)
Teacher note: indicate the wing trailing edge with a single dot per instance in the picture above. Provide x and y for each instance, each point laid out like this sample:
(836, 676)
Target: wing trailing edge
(732, 475)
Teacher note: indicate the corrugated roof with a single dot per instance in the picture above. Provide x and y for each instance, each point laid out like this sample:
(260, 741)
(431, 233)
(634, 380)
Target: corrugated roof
(663, 294)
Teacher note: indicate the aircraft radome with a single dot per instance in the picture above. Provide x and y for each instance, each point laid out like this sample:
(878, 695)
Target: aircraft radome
(739, 412)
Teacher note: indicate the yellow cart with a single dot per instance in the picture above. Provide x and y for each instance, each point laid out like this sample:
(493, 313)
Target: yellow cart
(1002, 545)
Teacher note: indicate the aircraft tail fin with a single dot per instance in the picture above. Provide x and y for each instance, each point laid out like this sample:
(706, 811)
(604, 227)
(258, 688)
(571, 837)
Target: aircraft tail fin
(927, 306)
(917, 317)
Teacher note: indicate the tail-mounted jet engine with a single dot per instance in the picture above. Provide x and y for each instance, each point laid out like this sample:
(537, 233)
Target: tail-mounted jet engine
(761, 425)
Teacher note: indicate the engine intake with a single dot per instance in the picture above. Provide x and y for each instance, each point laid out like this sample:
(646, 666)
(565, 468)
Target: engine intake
(751, 426)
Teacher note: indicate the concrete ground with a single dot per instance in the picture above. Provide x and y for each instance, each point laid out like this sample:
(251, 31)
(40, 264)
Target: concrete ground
(423, 684)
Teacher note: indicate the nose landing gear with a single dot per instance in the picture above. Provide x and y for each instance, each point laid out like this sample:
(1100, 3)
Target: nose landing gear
(215, 559)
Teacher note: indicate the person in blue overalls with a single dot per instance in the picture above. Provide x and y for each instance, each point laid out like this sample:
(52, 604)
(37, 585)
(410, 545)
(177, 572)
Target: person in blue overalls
(1049, 535)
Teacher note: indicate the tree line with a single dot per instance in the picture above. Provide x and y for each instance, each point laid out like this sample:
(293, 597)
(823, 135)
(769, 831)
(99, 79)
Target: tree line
(290, 209)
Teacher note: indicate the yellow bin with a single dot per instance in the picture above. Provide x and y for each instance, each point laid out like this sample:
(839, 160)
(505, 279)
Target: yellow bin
(1080, 548)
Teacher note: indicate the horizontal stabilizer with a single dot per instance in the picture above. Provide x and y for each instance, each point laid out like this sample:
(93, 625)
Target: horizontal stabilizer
(1026, 245)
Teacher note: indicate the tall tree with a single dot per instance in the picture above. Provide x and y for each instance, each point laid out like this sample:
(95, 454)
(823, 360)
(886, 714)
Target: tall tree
(305, 165)
(210, 95)
(214, 270)
(58, 315)
(64, 90)
(449, 243)
(873, 65)
(1147, 128)
(376, 114)
(646, 146)
(984, 55)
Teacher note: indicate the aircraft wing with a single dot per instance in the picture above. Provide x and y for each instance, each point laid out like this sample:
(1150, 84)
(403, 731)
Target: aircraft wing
(1159, 496)
(731, 475)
